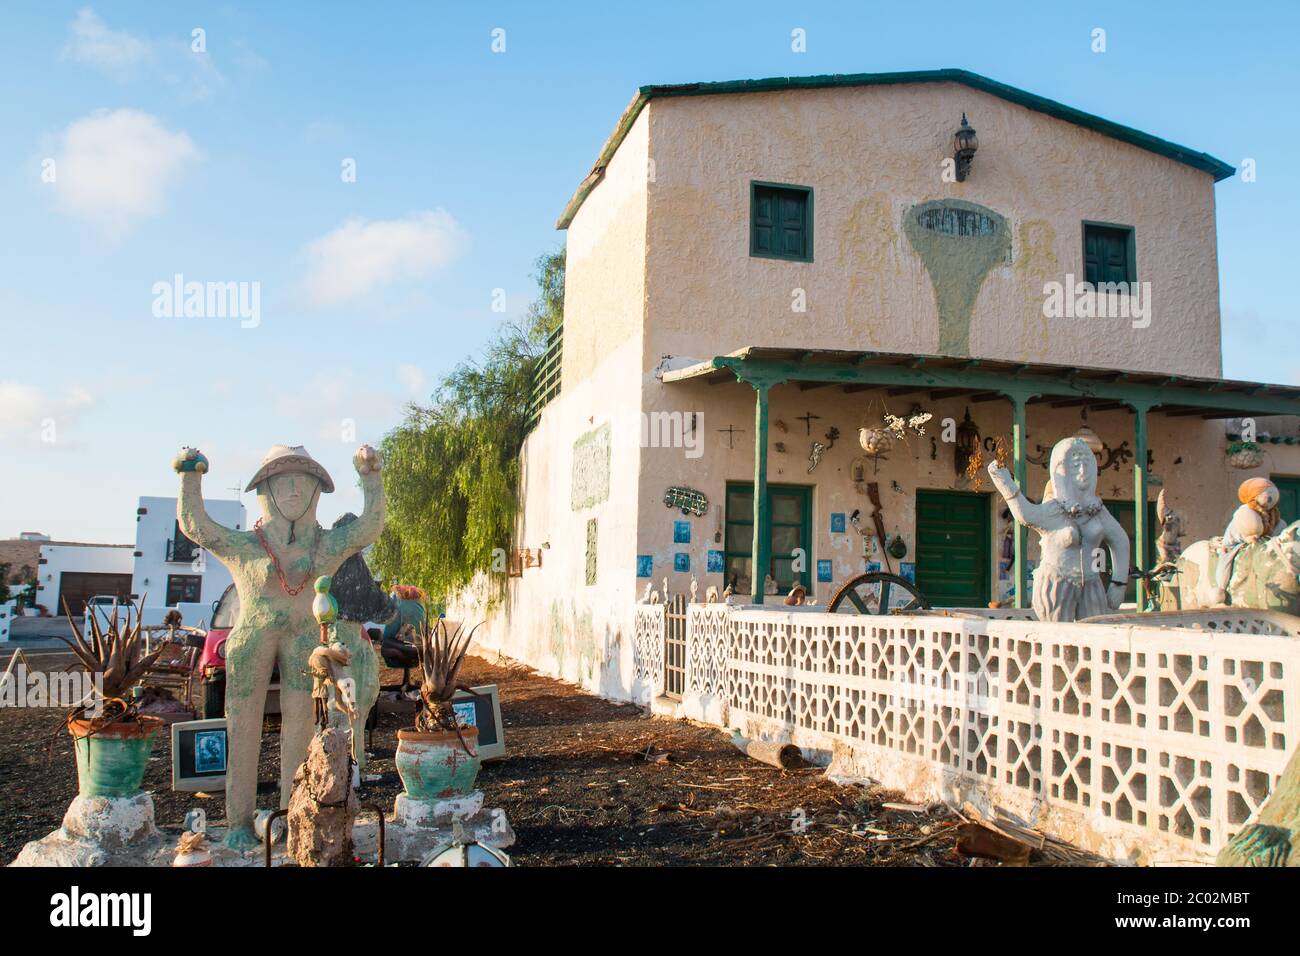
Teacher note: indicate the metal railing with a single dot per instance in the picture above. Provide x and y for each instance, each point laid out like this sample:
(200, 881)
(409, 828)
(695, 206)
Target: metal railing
(181, 550)
(546, 377)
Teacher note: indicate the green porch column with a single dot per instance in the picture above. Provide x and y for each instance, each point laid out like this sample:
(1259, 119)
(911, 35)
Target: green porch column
(760, 551)
(1020, 471)
(1141, 532)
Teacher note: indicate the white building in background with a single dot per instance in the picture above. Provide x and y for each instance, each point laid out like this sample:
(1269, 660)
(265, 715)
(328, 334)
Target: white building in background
(74, 571)
(170, 569)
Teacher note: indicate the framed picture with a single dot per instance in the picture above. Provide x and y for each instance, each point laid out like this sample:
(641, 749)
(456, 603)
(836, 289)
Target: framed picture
(200, 752)
(483, 712)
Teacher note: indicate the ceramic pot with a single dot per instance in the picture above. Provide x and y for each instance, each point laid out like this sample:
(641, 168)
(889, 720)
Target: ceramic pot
(436, 766)
(111, 759)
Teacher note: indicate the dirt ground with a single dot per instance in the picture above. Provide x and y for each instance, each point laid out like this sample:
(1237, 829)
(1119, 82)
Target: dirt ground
(585, 782)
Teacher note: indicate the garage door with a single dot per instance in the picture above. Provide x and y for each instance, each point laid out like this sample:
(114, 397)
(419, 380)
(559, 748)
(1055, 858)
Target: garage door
(76, 587)
(952, 548)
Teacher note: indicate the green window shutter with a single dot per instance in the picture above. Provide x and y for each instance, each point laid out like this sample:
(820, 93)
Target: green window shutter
(780, 222)
(1107, 254)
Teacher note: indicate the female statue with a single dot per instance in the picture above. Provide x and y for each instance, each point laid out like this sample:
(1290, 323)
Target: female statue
(1072, 525)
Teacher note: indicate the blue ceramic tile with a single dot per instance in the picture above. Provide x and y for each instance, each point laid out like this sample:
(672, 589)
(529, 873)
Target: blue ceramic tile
(824, 569)
(645, 565)
(681, 532)
(681, 561)
(715, 563)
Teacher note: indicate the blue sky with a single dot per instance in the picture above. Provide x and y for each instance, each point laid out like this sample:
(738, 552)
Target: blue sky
(226, 166)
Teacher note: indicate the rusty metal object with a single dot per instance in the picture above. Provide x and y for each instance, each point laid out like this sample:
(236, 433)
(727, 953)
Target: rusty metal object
(269, 835)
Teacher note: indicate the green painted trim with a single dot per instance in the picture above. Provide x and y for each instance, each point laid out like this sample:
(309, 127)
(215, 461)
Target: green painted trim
(761, 548)
(808, 243)
(1140, 474)
(1132, 244)
(771, 372)
(1039, 104)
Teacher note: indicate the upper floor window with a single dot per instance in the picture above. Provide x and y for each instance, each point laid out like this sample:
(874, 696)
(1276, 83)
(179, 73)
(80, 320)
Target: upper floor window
(781, 221)
(1109, 253)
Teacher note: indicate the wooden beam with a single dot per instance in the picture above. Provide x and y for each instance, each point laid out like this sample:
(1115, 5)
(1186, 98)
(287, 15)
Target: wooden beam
(905, 390)
(946, 393)
(809, 386)
(851, 389)
(986, 397)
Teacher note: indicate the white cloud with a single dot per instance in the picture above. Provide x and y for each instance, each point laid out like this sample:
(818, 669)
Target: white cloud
(336, 405)
(27, 414)
(116, 168)
(360, 257)
(412, 379)
(168, 59)
(116, 52)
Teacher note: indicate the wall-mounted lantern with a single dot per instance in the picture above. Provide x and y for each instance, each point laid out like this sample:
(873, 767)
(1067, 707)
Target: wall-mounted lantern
(964, 144)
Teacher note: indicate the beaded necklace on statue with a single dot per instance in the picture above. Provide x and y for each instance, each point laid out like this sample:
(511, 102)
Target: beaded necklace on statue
(279, 571)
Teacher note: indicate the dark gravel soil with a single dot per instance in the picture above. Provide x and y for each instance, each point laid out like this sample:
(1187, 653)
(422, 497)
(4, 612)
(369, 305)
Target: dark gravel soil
(586, 781)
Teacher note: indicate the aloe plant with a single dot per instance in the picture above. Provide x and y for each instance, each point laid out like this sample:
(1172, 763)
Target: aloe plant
(442, 652)
(116, 654)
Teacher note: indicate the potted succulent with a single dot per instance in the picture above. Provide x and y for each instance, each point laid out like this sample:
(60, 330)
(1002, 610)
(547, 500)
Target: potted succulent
(438, 758)
(112, 739)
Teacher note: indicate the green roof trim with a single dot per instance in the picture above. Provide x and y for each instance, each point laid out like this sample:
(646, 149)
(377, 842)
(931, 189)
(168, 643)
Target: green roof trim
(1041, 104)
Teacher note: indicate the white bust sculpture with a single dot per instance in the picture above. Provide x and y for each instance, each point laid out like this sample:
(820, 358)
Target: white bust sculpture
(1072, 525)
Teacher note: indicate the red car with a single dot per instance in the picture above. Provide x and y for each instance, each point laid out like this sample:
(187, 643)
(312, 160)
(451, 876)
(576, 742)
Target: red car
(212, 663)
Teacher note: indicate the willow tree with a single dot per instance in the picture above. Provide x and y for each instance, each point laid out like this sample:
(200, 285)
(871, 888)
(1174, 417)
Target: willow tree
(451, 468)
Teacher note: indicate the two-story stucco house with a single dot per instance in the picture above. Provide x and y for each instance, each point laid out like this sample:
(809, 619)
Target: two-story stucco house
(757, 270)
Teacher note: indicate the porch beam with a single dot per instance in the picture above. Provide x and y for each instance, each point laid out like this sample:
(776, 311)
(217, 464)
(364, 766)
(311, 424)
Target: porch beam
(920, 377)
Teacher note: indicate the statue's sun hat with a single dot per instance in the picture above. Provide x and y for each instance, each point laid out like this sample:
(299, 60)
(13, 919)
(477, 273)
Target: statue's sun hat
(291, 459)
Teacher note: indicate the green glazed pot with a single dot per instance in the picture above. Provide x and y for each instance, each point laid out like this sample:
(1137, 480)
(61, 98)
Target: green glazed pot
(111, 760)
(436, 766)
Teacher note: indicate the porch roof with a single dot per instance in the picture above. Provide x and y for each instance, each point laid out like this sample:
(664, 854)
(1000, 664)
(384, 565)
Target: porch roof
(984, 379)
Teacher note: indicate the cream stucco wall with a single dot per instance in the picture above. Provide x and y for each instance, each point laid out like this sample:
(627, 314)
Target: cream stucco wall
(870, 154)
(551, 617)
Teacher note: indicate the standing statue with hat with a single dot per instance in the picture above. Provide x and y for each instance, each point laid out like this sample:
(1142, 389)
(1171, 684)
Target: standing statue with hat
(274, 565)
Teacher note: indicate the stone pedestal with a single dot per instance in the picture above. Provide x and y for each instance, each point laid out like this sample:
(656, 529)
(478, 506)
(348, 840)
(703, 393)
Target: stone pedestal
(417, 827)
(99, 831)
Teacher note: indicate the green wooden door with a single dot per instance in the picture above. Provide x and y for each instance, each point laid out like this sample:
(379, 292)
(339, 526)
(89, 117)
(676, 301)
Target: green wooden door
(789, 521)
(1123, 513)
(1289, 501)
(953, 540)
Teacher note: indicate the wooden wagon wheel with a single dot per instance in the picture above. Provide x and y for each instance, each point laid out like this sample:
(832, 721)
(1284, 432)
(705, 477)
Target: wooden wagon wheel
(858, 592)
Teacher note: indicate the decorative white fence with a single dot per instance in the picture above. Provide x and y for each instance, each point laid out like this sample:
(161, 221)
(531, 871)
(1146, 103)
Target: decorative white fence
(1145, 743)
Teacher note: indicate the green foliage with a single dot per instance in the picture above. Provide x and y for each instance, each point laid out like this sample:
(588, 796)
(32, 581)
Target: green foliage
(451, 468)
(4, 583)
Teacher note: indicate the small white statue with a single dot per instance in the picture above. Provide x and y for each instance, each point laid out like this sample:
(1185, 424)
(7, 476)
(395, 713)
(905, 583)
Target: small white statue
(645, 595)
(727, 594)
(695, 589)
(1072, 525)
(711, 595)
(654, 597)
(769, 584)
(666, 589)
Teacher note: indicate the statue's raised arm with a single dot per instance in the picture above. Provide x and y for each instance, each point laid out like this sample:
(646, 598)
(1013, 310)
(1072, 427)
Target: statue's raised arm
(352, 537)
(191, 515)
(1022, 509)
